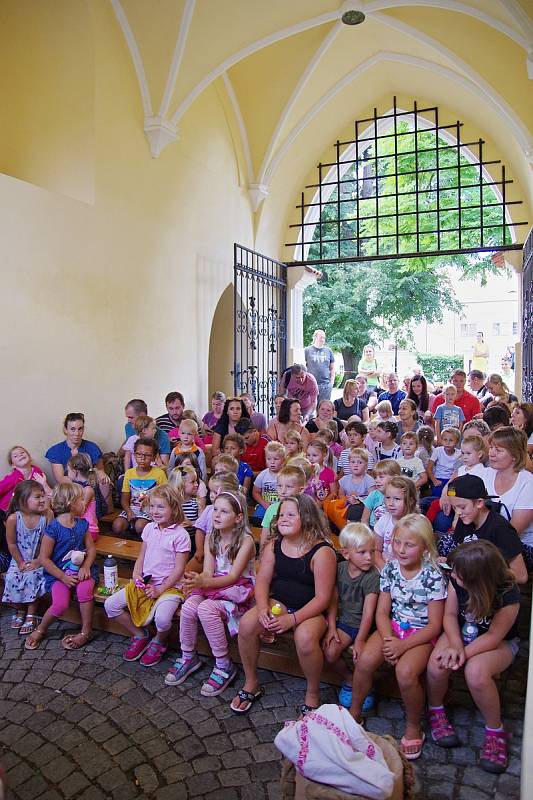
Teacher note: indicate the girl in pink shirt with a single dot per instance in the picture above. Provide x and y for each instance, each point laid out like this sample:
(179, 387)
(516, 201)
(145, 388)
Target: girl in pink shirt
(154, 593)
(23, 470)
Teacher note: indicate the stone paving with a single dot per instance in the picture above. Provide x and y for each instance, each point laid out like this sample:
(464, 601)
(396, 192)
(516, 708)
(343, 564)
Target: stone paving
(87, 725)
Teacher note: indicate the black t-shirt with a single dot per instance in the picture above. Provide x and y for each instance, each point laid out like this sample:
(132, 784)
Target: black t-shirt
(509, 598)
(495, 529)
(345, 412)
(312, 427)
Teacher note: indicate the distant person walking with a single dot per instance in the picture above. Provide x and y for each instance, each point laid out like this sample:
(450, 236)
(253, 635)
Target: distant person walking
(320, 363)
(368, 366)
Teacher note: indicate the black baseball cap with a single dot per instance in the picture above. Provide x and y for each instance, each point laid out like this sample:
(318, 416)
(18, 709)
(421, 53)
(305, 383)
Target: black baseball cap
(469, 487)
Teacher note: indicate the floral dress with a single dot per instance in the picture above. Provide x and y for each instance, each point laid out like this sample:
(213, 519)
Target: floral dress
(25, 587)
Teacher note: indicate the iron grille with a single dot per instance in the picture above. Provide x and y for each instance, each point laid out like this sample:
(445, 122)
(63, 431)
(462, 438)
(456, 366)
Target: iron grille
(527, 320)
(260, 322)
(405, 186)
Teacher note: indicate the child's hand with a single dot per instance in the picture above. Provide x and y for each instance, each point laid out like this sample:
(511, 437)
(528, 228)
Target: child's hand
(130, 515)
(193, 580)
(264, 618)
(436, 482)
(393, 648)
(152, 591)
(357, 649)
(27, 566)
(452, 658)
(445, 505)
(330, 637)
(282, 624)
(84, 573)
(70, 580)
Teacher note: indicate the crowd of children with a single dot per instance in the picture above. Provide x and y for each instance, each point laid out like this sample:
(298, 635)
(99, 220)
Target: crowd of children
(423, 576)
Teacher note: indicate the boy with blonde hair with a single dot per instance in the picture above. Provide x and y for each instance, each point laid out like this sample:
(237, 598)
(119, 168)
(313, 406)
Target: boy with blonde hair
(292, 480)
(188, 431)
(265, 491)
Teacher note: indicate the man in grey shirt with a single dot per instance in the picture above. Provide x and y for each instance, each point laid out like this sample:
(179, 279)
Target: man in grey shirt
(320, 363)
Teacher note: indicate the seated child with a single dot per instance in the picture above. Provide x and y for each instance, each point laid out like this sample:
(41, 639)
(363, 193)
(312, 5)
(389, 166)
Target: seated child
(448, 415)
(322, 482)
(410, 464)
(265, 490)
(386, 433)
(292, 480)
(293, 444)
(298, 571)
(204, 524)
(443, 460)
(400, 499)
(188, 431)
(137, 483)
(154, 592)
(385, 412)
(233, 445)
(481, 635)
(355, 433)
(184, 481)
(354, 488)
(374, 504)
(254, 454)
(190, 460)
(474, 451)
(327, 436)
(218, 596)
(353, 605)
(68, 531)
(226, 464)
(426, 439)
(23, 470)
(409, 618)
(174, 433)
(80, 470)
(468, 495)
(145, 428)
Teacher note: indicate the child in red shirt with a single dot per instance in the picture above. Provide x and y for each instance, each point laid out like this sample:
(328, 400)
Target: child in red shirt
(254, 454)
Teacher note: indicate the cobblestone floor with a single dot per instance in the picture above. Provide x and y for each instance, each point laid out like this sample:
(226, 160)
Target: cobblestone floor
(86, 725)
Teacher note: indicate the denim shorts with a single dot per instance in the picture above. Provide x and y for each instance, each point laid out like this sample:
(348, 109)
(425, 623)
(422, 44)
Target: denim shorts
(348, 630)
(514, 644)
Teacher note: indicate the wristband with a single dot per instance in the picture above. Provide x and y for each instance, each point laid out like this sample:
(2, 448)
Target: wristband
(294, 618)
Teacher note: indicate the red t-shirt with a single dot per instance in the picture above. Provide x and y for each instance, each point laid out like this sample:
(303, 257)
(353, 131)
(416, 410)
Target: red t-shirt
(470, 404)
(255, 455)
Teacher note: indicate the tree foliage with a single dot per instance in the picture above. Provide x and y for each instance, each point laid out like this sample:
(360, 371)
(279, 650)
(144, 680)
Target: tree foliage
(372, 300)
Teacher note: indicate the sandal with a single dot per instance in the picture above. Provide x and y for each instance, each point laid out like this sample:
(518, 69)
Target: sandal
(17, 620)
(246, 697)
(181, 670)
(31, 642)
(218, 681)
(493, 756)
(418, 744)
(30, 623)
(305, 709)
(442, 731)
(69, 643)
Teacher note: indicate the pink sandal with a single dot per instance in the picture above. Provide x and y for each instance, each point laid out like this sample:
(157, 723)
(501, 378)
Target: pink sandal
(493, 756)
(153, 654)
(136, 647)
(218, 681)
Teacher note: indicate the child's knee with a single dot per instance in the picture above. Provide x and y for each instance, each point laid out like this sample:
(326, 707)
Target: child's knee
(119, 525)
(476, 677)
(59, 605)
(208, 611)
(406, 674)
(306, 641)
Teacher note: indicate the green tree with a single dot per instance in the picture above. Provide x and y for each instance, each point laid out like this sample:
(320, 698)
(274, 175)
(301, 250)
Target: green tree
(377, 214)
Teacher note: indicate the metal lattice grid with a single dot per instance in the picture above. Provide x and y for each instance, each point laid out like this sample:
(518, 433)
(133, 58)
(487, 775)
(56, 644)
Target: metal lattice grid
(527, 320)
(260, 325)
(405, 186)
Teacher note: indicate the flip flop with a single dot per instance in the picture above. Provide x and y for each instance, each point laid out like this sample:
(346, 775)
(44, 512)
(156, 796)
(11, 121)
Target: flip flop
(68, 644)
(17, 620)
(418, 743)
(33, 644)
(246, 697)
(305, 709)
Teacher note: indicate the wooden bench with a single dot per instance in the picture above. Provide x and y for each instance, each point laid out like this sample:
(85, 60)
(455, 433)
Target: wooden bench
(126, 549)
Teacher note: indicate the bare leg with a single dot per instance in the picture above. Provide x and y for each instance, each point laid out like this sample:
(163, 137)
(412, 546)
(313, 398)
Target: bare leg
(333, 656)
(363, 674)
(408, 671)
(437, 677)
(307, 636)
(479, 675)
(249, 644)
(125, 620)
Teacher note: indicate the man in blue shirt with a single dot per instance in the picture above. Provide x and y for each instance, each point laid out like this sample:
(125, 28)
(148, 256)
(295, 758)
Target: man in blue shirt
(134, 409)
(394, 395)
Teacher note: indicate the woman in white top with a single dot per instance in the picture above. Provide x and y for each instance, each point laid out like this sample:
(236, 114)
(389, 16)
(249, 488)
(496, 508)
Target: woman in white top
(507, 480)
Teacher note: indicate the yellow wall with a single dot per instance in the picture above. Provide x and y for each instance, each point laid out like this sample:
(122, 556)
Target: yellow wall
(109, 300)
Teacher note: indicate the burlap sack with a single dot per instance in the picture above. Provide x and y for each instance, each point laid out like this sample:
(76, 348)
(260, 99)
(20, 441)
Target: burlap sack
(295, 787)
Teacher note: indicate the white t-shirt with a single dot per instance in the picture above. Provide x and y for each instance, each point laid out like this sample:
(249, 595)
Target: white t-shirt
(267, 483)
(411, 467)
(477, 469)
(518, 498)
(384, 528)
(444, 464)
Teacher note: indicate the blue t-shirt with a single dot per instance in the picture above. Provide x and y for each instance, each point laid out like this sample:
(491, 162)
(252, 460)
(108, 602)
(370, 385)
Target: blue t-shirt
(394, 399)
(244, 471)
(163, 442)
(60, 453)
(449, 416)
(66, 539)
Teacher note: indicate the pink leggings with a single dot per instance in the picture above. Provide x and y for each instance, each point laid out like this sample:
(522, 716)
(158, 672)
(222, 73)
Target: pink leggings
(212, 615)
(61, 595)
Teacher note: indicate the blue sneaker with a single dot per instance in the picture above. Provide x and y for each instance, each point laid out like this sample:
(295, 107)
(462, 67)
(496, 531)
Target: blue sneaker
(345, 696)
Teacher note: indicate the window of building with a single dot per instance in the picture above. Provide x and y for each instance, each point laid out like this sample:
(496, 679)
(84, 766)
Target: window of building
(496, 328)
(515, 328)
(468, 329)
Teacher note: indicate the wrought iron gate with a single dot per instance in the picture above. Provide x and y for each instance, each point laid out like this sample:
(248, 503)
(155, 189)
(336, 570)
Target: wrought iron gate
(527, 320)
(260, 326)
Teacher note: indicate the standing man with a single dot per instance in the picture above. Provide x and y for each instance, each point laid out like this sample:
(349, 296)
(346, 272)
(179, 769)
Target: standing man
(320, 363)
(394, 394)
(468, 402)
(299, 385)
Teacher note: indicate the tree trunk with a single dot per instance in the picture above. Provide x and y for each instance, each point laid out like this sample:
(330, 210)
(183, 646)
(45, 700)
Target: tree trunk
(350, 364)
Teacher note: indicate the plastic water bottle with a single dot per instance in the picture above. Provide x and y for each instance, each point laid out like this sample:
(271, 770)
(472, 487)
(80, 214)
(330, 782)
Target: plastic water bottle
(405, 630)
(469, 632)
(110, 573)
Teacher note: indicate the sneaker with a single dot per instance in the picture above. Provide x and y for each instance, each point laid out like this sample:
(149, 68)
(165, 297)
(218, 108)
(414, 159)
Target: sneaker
(493, 756)
(153, 654)
(442, 731)
(218, 681)
(181, 670)
(136, 647)
(345, 695)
